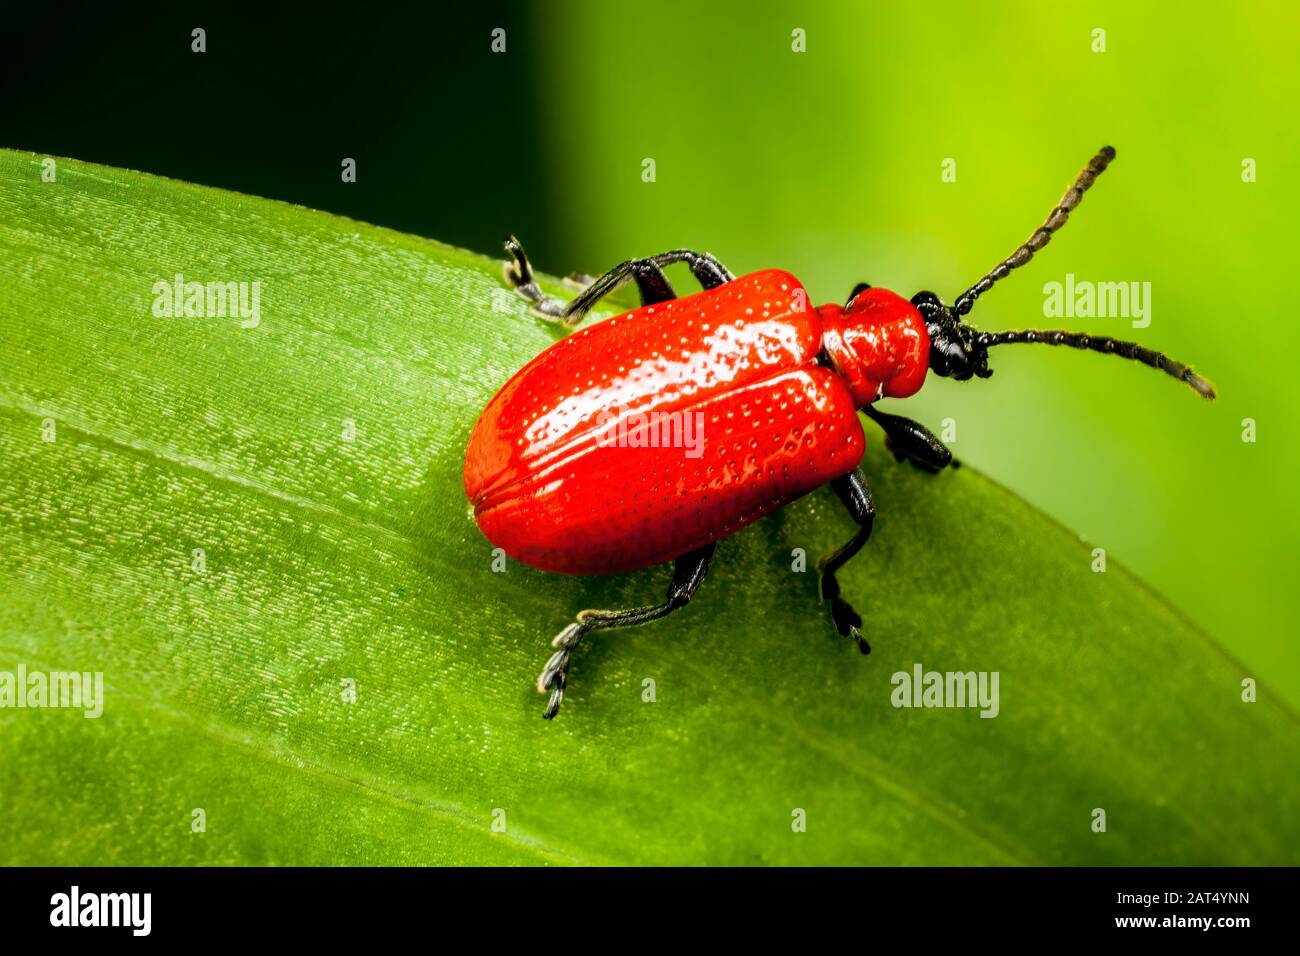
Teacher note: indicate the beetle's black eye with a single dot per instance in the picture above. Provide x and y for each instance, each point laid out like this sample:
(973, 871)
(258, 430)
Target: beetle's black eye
(858, 289)
(929, 305)
(948, 356)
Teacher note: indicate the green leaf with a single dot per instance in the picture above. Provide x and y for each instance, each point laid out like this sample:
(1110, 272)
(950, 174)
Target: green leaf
(329, 560)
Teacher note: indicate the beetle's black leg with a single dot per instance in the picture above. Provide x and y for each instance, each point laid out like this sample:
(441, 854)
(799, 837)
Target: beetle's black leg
(708, 271)
(651, 283)
(911, 440)
(648, 273)
(688, 572)
(856, 495)
(519, 273)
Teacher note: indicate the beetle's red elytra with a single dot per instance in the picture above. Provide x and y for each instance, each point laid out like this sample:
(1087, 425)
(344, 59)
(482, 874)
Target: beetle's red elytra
(653, 435)
(747, 356)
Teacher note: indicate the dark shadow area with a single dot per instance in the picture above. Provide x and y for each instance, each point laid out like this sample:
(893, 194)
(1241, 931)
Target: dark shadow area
(443, 130)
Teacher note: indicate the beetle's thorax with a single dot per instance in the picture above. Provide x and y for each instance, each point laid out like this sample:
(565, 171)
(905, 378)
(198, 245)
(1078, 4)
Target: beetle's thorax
(878, 344)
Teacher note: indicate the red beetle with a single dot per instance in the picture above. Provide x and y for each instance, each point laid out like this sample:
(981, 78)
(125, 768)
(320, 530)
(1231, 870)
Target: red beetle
(652, 435)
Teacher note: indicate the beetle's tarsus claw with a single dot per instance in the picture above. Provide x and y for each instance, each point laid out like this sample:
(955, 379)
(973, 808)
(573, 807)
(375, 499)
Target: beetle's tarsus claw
(849, 623)
(555, 665)
(554, 679)
(518, 272)
(846, 619)
(555, 675)
(553, 706)
(569, 637)
(517, 269)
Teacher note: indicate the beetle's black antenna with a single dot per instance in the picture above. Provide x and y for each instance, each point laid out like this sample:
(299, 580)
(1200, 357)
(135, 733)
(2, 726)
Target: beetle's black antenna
(1042, 235)
(1100, 343)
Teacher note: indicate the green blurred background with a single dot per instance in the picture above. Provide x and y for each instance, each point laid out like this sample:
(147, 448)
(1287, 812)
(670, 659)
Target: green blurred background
(825, 162)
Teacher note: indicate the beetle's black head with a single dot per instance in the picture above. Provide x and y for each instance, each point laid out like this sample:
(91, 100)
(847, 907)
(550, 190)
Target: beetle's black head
(956, 349)
(960, 351)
